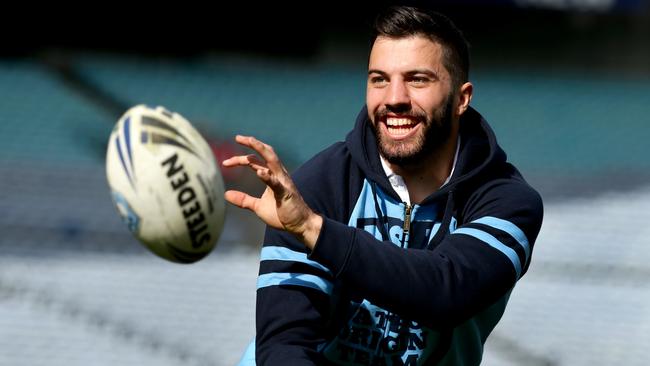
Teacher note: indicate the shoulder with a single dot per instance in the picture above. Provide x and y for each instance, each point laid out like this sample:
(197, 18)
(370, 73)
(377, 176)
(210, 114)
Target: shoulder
(506, 195)
(504, 182)
(513, 191)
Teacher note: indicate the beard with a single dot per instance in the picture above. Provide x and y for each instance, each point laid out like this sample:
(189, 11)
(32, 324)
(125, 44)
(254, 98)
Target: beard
(434, 132)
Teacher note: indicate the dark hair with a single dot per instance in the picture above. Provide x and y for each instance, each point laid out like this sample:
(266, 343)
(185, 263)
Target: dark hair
(404, 21)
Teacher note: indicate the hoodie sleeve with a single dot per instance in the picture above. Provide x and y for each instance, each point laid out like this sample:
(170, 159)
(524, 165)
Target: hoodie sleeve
(292, 303)
(471, 268)
(294, 293)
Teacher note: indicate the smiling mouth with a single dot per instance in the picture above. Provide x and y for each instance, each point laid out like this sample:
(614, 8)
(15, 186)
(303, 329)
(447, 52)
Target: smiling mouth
(399, 126)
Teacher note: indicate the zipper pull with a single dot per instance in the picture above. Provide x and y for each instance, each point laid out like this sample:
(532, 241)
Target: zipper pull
(407, 218)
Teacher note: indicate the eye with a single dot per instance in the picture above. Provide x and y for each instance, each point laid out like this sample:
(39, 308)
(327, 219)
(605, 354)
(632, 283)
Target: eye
(418, 80)
(377, 80)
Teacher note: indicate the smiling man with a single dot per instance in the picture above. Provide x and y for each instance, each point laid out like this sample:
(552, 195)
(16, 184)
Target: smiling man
(414, 105)
(401, 245)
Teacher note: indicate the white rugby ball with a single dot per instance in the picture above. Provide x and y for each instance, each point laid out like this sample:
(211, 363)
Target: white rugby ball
(165, 183)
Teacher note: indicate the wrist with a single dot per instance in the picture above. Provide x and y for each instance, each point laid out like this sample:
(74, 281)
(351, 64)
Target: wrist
(311, 231)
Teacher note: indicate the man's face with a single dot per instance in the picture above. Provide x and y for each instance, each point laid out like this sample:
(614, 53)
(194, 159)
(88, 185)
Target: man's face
(409, 98)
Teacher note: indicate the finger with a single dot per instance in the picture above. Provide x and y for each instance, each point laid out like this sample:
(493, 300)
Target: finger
(240, 199)
(246, 141)
(260, 169)
(242, 160)
(266, 152)
(272, 181)
(273, 173)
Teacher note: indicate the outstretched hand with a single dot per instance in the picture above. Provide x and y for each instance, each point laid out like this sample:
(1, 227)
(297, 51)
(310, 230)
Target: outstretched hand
(281, 205)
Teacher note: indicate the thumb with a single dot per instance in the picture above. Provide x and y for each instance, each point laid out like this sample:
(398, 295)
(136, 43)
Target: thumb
(240, 199)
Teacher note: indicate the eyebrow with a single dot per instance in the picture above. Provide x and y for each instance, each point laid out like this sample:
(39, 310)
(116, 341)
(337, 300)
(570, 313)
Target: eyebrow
(427, 72)
(375, 71)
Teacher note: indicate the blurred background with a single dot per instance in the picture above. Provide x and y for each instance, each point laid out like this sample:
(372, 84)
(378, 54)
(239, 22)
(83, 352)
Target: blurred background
(564, 83)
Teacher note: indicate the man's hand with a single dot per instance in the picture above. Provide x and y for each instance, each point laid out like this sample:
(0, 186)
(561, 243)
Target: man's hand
(281, 206)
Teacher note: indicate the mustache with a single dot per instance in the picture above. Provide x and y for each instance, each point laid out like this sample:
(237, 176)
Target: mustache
(381, 114)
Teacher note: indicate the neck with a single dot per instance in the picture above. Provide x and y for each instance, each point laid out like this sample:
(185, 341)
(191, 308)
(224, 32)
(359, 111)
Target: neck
(427, 176)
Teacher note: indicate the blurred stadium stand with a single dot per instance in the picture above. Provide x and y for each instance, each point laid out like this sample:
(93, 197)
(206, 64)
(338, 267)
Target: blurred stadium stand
(565, 84)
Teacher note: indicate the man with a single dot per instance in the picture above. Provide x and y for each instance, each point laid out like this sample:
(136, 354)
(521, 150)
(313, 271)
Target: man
(399, 246)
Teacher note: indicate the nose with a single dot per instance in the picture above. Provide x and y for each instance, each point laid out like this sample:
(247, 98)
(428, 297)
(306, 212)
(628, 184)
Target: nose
(398, 96)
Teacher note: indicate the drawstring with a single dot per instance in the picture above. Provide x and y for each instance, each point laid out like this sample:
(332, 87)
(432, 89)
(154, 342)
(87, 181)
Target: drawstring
(446, 220)
(383, 220)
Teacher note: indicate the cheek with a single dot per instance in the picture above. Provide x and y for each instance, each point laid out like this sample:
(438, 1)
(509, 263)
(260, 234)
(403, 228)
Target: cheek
(429, 102)
(373, 99)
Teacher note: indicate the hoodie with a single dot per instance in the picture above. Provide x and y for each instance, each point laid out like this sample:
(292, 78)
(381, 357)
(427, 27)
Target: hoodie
(389, 283)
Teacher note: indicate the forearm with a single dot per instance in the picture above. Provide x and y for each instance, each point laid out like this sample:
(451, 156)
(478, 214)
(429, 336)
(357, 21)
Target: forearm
(437, 287)
(467, 270)
(288, 330)
(293, 295)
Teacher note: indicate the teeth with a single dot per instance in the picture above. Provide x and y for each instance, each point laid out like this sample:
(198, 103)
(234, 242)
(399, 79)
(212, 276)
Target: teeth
(400, 126)
(392, 122)
(397, 131)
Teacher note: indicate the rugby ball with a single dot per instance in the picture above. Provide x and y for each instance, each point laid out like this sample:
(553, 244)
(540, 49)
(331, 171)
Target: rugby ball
(165, 183)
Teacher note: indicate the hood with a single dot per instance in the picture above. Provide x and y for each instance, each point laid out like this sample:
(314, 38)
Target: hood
(478, 152)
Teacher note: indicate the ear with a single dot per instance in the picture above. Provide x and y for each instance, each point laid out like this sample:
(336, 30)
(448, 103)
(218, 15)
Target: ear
(464, 97)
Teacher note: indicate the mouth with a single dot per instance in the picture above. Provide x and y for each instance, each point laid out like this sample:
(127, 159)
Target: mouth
(400, 128)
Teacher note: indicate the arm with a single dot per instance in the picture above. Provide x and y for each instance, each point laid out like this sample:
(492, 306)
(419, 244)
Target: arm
(467, 271)
(293, 299)
(293, 292)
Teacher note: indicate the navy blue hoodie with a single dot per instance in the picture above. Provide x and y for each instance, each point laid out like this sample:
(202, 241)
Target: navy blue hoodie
(389, 283)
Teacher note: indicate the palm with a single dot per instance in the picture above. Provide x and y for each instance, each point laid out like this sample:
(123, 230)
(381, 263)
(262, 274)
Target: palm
(267, 210)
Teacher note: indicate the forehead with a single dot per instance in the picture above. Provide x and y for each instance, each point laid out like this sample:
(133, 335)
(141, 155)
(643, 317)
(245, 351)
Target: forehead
(404, 54)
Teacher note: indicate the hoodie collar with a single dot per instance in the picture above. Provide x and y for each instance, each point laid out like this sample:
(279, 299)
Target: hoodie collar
(397, 182)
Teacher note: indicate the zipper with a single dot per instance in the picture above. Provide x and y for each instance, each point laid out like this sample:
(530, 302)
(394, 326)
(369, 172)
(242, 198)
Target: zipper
(407, 218)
